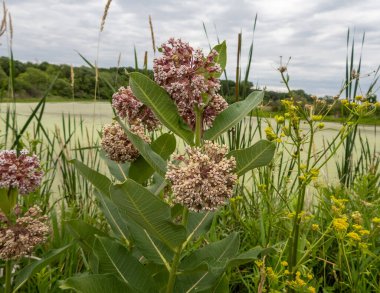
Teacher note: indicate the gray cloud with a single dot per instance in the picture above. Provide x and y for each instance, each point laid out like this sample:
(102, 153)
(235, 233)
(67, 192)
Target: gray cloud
(312, 32)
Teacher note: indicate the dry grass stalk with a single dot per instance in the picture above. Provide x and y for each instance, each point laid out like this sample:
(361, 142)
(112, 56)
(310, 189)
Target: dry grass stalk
(72, 76)
(10, 28)
(152, 34)
(3, 26)
(106, 8)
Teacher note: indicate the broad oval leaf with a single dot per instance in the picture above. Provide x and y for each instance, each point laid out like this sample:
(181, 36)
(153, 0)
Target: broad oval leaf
(118, 170)
(101, 182)
(164, 146)
(199, 223)
(260, 154)
(154, 160)
(214, 253)
(215, 257)
(221, 59)
(157, 99)
(115, 258)
(140, 205)
(99, 283)
(151, 248)
(233, 115)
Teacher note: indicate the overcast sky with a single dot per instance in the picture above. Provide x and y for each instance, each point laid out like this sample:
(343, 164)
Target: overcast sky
(313, 33)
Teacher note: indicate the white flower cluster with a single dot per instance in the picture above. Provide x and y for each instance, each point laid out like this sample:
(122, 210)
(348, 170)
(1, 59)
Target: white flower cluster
(204, 177)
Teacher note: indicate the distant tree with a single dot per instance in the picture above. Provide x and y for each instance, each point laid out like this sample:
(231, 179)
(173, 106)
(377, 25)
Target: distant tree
(33, 81)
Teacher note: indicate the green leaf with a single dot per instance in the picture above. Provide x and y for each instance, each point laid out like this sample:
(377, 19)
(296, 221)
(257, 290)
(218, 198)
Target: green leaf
(222, 57)
(101, 182)
(152, 249)
(260, 154)
(84, 233)
(36, 266)
(158, 184)
(114, 219)
(100, 283)
(119, 171)
(139, 204)
(216, 252)
(222, 286)
(248, 256)
(164, 146)
(157, 99)
(115, 258)
(233, 115)
(154, 160)
(199, 223)
(194, 276)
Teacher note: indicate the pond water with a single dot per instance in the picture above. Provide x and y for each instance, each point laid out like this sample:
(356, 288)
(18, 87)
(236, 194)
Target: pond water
(94, 115)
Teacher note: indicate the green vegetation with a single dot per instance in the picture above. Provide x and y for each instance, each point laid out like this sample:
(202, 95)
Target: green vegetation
(154, 224)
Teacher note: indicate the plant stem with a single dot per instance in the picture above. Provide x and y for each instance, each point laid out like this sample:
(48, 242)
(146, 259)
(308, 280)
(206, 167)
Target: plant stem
(177, 257)
(198, 126)
(8, 276)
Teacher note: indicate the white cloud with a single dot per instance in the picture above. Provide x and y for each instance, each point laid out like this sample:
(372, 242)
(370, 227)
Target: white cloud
(312, 32)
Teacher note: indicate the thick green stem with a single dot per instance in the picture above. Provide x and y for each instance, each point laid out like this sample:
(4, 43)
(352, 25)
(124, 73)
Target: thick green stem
(177, 257)
(8, 276)
(198, 126)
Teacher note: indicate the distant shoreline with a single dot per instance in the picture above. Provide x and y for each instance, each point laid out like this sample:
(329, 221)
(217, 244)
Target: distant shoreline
(263, 114)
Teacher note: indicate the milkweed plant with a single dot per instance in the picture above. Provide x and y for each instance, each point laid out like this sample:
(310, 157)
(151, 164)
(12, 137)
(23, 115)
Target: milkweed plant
(159, 204)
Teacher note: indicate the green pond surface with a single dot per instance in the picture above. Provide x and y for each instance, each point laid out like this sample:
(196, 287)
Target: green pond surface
(95, 115)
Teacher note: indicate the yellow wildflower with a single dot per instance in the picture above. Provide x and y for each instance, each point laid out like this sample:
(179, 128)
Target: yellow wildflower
(321, 125)
(316, 117)
(284, 263)
(340, 224)
(259, 263)
(286, 272)
(302, 177)
(271, 274)
(279, 119)
(354, 236)
(359, 98)
(311, 289)
(357, 217)
(363, 246)
(376, 220)
(315, 227)
(270, 133)
(364, 232)
(310, 276)
(357, 227)
(291, 215)
(314, 173)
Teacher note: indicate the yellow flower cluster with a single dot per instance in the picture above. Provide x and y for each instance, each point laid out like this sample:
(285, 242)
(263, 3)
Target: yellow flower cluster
(315, 227)
(271, 274)
(270, 134)
(340, 224)
(357, 217)
(298, 282)
(338, 205)
(354, 236)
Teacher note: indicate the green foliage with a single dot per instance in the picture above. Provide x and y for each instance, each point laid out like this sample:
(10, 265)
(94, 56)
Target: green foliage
(156, 98)
(233, 114)
(153, 244)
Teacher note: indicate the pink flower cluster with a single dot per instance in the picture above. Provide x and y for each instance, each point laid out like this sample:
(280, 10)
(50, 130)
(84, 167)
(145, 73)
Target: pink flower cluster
(22, 172)
(204, 177)
(117, 145)
(189, 77)
(128, 106)
(20, 238)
